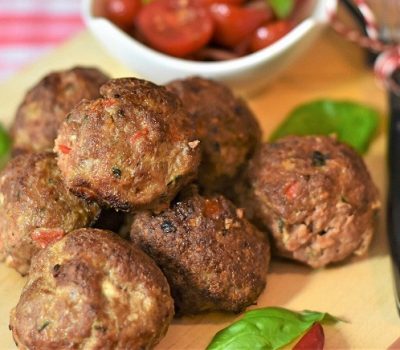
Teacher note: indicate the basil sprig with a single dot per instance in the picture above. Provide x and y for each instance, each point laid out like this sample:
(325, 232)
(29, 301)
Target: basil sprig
(5, 146)
(281, 8)
(268, 328)
(352, 123)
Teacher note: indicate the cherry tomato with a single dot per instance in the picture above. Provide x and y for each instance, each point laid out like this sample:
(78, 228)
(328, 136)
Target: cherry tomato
(233, 23)
(314, 339)
(122, 12)
(176, 27)
(268, 34)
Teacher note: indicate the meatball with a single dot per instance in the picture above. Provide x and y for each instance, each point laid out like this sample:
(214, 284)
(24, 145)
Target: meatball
(48, 102)
(213, 258)
(315, 196)
(131, 149)
(226, 127)
(35, 203)
(92, 290)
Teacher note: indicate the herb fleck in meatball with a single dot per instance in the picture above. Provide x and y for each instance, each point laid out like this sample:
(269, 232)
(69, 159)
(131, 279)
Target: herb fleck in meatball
(316, 197)
(92, 290)
(226, 127)
(213, 258)
(35, 203)
(48, 102)
(131, 149)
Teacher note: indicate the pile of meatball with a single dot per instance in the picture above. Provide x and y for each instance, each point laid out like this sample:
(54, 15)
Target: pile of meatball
(115, 204)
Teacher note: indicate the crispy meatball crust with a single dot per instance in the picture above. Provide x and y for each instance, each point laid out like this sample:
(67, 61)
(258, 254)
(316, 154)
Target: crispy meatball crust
(315, 196)
(48, 102)
(228, 130)
(92, 290)
(213, 258)
(33, 197)
(131, 149)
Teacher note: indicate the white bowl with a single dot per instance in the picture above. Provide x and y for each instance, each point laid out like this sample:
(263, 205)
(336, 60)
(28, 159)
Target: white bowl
(246, 74)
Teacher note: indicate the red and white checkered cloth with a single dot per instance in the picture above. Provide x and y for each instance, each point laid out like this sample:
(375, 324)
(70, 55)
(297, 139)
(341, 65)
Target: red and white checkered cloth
(30, 28)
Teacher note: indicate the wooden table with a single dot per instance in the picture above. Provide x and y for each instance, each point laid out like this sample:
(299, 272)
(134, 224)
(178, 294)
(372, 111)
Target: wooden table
(360, 291)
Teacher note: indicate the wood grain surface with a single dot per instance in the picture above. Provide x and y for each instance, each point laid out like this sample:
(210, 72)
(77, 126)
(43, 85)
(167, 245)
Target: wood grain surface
(360, 291)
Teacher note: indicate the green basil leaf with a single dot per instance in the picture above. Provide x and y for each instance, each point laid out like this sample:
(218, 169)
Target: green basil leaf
(267, 329)
(282, 8)
(353, 123)
(5, 146)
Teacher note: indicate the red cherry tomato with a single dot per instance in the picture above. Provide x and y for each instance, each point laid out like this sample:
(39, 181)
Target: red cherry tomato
(175, 27)
(122, 12)
(314, 339)
(268, 34)
(233, 23)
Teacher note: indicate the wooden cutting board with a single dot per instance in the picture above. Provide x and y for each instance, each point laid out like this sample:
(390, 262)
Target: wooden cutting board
(360, 291)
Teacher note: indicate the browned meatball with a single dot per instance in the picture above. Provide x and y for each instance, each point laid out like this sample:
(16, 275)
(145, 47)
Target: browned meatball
(131, 149)
(226, 127)
(316, 197)
(213, 258)
(48, 102)
(34, 201)
(92, 290)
